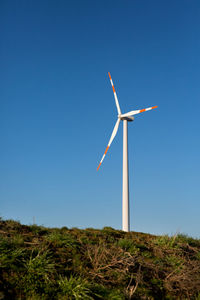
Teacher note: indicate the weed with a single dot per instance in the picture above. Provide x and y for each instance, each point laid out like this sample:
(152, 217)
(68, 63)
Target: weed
(128, 245)
(165, 241)
(62, 239)
(174, 261)
(198, 297)
(198, 255)
(74, 288)
(116, 295)
(38, 230)
(38, 272)
(10, 255)
(183, 238)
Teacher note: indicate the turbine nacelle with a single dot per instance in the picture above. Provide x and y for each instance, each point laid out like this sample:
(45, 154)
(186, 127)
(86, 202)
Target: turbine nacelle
(129, 119)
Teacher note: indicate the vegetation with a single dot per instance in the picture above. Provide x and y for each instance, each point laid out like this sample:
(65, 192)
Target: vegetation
(42, 263)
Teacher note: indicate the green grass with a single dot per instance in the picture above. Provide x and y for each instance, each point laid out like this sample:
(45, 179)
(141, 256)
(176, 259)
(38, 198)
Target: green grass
(52, 263)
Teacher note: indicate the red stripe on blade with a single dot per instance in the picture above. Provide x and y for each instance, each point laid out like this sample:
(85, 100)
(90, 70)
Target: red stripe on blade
(106, 150)
(98, 166)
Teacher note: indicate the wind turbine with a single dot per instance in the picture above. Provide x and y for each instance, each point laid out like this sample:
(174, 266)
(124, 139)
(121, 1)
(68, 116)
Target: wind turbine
(127, 117)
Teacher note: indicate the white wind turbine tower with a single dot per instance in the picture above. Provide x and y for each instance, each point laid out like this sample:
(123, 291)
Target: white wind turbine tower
(127, 117)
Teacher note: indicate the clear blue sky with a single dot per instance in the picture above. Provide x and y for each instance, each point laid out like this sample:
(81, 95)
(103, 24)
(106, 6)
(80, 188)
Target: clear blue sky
(57, 112)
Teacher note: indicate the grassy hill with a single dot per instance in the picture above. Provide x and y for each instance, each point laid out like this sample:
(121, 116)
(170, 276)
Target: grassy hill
(51, 263)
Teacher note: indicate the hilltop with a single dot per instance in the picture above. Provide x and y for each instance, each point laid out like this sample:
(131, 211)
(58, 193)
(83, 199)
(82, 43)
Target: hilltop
(52, 263)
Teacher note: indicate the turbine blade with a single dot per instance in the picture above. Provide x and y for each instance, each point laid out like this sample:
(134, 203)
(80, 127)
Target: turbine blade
(110, 141)
(135, 112)
(115, 95)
